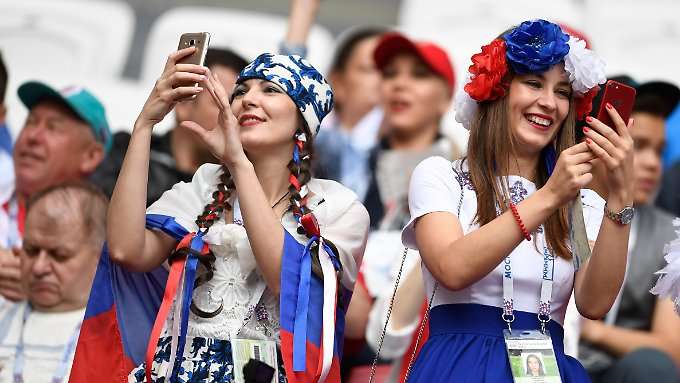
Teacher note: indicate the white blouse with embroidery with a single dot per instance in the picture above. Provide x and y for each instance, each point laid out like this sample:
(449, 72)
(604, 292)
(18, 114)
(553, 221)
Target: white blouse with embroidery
(249, 308)
(438, 185)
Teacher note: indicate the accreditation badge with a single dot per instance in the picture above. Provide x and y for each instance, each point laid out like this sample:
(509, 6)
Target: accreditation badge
(531, 355)
(259, 358)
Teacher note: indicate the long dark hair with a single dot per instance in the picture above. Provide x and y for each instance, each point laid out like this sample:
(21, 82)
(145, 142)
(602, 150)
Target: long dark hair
(541, 370)
(300, 171)
(489, 152)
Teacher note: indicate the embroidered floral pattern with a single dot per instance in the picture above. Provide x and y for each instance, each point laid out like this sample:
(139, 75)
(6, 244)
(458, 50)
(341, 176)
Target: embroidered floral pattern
(464, 180)
(518, 192)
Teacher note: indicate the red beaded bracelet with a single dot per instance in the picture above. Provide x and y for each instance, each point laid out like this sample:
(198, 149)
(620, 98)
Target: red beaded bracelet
(515, 213)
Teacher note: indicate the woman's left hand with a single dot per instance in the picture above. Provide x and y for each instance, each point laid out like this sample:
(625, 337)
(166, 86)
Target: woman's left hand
(614, 147)
(224, 141)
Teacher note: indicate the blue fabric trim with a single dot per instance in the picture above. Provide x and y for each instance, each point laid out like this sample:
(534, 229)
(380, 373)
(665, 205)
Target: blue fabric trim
(302, 309)
(166, 224)
(5, 139)
(550, 159)
(296, 154)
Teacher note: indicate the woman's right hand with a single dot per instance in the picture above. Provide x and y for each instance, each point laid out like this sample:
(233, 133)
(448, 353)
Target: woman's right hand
(572, 173)
(172, 87)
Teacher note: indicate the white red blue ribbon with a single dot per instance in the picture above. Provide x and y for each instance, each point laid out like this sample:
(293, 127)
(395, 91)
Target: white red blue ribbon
(327, 258)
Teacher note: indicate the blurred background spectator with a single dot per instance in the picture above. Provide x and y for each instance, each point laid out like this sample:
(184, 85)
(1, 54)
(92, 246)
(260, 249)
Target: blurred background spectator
(638, 339)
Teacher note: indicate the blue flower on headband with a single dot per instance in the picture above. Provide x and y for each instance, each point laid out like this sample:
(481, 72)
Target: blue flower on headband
(299, 79)
(535, 46)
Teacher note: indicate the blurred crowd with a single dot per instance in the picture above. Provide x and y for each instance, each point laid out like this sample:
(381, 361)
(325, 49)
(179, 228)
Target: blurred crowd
(391, 95)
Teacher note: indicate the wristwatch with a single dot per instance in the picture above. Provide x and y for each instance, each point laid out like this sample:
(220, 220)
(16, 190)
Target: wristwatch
(624, 217)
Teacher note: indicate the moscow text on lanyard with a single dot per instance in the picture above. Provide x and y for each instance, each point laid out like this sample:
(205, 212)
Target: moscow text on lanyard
(548, 275)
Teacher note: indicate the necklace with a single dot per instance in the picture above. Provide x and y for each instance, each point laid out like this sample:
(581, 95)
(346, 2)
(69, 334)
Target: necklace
(280, 199)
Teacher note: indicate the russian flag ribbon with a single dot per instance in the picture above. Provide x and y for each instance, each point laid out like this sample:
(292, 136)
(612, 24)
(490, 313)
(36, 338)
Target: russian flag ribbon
(183, 263)
(330, 264)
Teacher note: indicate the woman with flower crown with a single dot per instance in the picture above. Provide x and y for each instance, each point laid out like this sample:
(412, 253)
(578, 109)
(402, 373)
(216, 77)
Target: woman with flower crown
(493, 229)
(259, 252)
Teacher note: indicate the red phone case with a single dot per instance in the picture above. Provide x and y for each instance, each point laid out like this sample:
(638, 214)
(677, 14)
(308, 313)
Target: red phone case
(621, 97)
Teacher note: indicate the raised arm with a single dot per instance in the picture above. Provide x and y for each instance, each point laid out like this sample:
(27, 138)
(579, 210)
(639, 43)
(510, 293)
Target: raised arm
(262, 224)
(599, 280)
(129, 242)
(300, 20)
(458, 260)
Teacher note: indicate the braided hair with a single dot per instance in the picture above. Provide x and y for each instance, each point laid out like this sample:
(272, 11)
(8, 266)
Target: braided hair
(300, 173)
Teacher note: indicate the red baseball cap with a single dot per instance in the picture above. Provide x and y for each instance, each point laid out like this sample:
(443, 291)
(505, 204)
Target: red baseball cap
(433, 55)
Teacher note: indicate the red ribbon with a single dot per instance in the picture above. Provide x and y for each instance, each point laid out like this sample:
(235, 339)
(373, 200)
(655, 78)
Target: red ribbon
(311, 225)
(294, 181)
(176, 268)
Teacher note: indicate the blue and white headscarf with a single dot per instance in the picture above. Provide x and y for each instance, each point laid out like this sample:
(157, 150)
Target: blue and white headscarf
(299, 79)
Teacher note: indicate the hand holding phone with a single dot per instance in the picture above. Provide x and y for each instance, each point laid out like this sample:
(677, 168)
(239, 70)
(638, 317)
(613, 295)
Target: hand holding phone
(614, 150)
(200, 41)
(621, 97)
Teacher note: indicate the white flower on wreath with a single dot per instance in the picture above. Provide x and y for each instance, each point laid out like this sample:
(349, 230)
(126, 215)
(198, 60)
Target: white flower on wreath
(585, 68)
(464, 106)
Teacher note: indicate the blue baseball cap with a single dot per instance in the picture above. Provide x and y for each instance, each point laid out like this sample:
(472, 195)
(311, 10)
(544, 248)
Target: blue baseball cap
(81, 101)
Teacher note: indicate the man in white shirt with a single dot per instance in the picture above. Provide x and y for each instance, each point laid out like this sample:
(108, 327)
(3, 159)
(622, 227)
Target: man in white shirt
(65, 230)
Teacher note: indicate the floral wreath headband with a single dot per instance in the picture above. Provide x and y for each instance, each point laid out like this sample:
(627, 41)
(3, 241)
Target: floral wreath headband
(532, 47)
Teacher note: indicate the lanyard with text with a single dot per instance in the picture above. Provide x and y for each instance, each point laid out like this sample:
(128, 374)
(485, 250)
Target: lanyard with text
(14, 230)
(20, 357)
(548, 274)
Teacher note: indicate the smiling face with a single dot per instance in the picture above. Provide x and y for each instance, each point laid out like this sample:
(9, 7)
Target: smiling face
(538, 105)
(413, 96)
(54, 146)
(267, 116)
(533, 366)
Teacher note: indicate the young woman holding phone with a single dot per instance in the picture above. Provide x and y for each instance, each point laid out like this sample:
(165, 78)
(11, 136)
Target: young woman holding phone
(493, 228)
(276, 247)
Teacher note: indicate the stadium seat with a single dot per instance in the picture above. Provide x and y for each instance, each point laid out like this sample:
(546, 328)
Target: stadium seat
(246, 32)
(90, 37)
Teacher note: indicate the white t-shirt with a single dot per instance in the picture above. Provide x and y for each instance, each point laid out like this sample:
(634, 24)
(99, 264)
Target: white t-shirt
(46, 336)
(438, 185)
(237, 281)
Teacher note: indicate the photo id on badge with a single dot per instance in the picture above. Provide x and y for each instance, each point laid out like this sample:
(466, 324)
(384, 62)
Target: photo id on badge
(531, 355)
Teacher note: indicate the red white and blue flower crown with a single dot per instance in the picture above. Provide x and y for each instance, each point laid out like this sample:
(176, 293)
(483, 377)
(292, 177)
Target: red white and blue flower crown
(532, 47)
